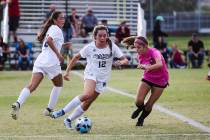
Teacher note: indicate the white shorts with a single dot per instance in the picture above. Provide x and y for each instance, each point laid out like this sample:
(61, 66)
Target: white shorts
(100, 86)
(51, 72)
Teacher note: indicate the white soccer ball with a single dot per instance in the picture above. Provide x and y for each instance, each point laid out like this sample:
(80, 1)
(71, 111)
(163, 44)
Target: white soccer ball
(83, 124)
(208, 76)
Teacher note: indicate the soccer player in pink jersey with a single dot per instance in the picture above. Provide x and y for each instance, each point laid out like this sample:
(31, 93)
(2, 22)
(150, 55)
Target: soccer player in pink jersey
(155, 78)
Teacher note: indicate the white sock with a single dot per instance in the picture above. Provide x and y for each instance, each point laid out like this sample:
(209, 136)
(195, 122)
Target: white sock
(77, 112)
(23, 95)
(54, 97)
(72, 104)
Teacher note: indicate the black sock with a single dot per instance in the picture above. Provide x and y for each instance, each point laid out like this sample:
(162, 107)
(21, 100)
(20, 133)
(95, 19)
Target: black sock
(68, 120)
(63, 112)
(18, 104)
(140, 107)
(144, 114)
(50, 110)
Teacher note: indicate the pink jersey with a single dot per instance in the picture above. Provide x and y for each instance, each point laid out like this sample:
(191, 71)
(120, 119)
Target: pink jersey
(158, 76)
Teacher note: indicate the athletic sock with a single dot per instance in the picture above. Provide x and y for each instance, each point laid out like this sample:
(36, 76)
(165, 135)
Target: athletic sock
(137, 111)
(54, 97)
(23, 96)
(144, 114)
(77, 112)
(72, 104)
(140, 107)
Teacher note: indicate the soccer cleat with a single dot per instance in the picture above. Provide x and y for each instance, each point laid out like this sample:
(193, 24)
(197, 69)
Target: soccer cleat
(136, 113)
(15, 110)
(67, 124)
(57, 114)
(47, 111)
(140, 122)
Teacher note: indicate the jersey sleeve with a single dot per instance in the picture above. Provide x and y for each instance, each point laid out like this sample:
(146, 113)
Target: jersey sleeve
(84, 51)
(156, 54)
(116, 51)
(53, 32)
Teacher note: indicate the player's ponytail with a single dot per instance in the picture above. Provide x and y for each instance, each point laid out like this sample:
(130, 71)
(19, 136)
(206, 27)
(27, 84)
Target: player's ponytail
(54, 16)
(110, 46)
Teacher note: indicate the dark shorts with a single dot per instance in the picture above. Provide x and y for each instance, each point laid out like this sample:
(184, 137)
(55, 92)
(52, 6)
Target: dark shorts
(153, 84)
(13, 23)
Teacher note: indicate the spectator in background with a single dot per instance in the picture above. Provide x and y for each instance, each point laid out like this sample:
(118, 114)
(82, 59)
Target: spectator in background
(4, 50)
(122, 32)
(208, 58)
(75, 21)
(67, 53)
(52, 8)
(23, 55)
(14, 16)
(177, 60)
(161, 45)
(67, 30)
(157, 32)
(196, 51)
(1, 12)
(1, 57)
(105, 23)
(89, 21)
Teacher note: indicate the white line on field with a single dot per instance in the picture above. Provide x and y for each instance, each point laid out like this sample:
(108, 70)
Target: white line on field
(161, 109)
(91, 136)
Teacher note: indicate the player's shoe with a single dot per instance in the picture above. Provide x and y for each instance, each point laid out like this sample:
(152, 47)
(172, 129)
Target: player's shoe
(57, 114)
(67, 124)
(140, 122)
(136, 113)
(47, 111)
(15, 110)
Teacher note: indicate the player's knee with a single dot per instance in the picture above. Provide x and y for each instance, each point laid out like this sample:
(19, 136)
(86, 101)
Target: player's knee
(85, 97)
(58, 83)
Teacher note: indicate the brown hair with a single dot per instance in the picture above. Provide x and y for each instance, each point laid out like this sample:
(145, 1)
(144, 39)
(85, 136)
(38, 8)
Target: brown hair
(49, 22)
(143, 39)
(21, 43)
(102, 27)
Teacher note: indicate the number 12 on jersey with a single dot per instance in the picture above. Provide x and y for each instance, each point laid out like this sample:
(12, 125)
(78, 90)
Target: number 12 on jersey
(102, 64)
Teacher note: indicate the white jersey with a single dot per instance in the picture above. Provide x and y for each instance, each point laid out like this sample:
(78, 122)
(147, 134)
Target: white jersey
(47, 57)
(99, 60)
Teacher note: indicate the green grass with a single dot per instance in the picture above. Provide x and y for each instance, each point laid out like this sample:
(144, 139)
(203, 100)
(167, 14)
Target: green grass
(188, 94)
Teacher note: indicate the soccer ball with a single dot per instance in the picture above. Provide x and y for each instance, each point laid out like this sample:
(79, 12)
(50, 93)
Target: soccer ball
(83, 124)
(208, 76)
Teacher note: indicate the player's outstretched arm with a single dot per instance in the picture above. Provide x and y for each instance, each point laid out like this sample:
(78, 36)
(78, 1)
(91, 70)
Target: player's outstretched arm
(70, 65)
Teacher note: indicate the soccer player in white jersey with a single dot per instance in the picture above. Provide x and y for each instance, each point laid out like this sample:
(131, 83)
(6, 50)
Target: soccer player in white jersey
(47, 63)
(99, 55)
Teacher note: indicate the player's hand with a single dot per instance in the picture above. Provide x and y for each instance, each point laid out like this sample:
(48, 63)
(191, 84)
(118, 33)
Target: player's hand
(66, 76)
(117, 63)
(141, 66)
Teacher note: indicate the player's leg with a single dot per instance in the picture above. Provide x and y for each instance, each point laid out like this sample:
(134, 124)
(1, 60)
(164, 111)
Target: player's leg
(55, 92)
(89, 87)
(156, 93)
(24, 94)
(142, 91)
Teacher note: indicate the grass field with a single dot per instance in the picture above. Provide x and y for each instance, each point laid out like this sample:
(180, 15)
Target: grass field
(188, 94)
